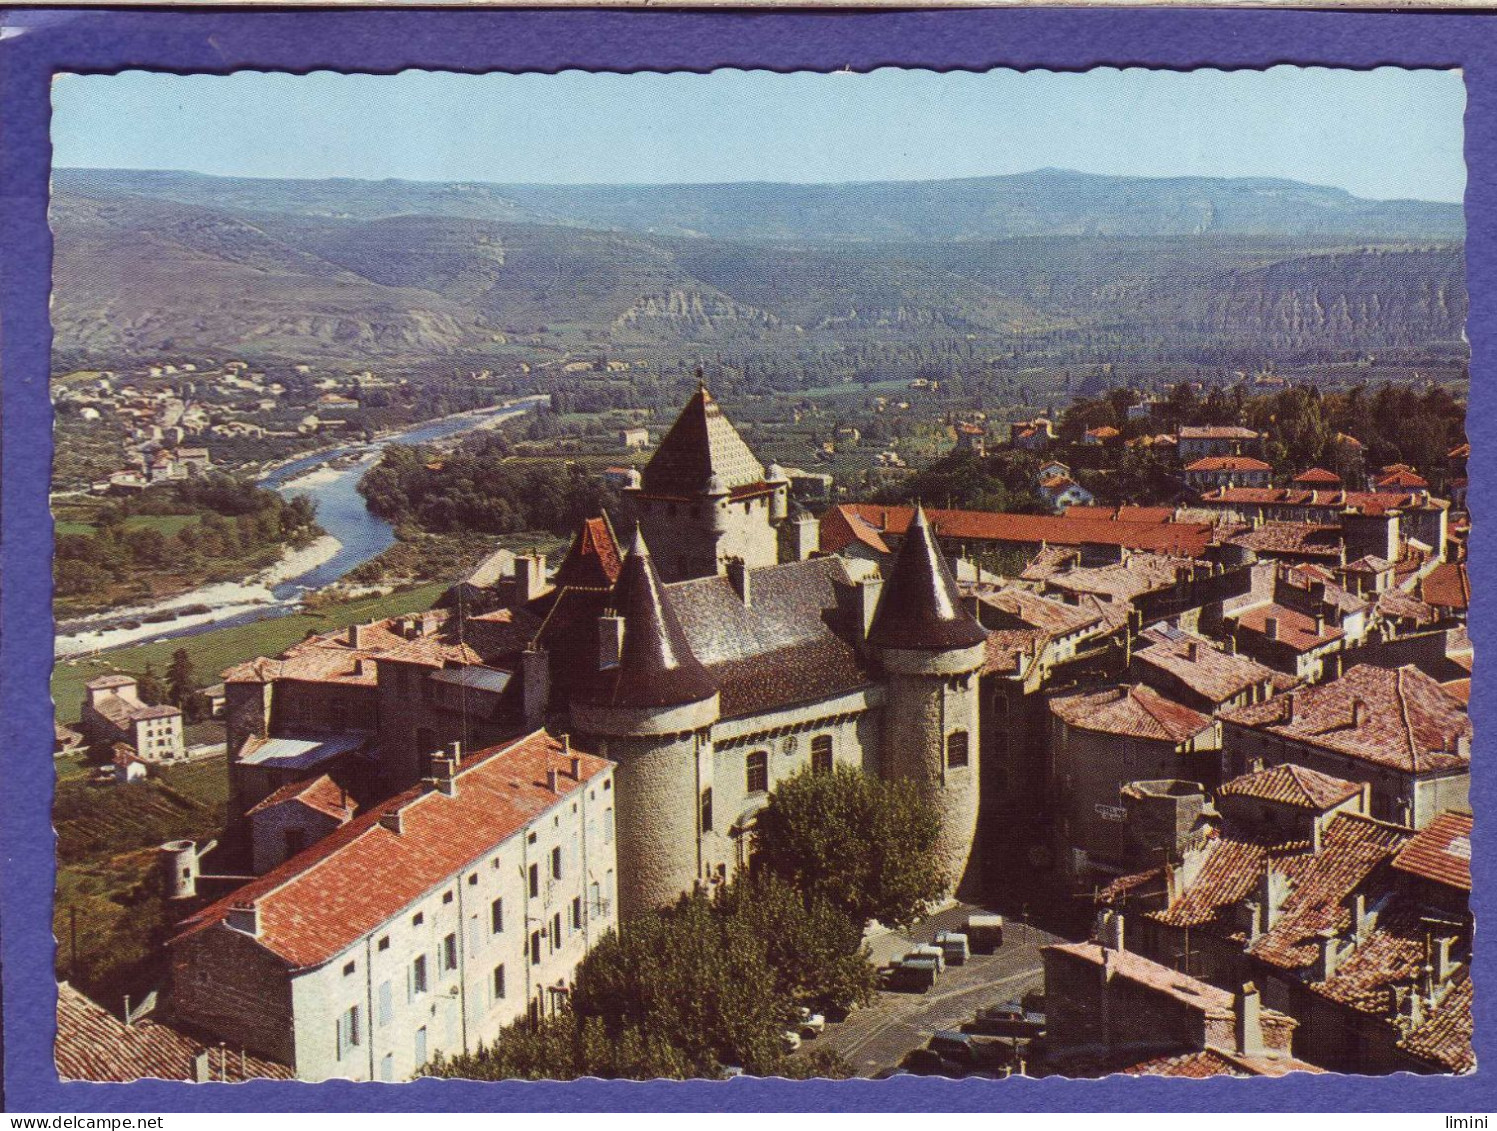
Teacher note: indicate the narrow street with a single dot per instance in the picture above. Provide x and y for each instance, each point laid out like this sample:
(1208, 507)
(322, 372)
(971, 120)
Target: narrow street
(879, 1036)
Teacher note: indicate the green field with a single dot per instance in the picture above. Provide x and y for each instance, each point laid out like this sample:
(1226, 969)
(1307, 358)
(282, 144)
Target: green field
(168, 524)
(211, 652)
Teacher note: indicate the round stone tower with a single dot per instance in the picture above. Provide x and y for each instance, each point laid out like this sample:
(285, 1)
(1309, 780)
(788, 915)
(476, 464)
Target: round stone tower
(178, 862)
(649, 705)
(932, 651)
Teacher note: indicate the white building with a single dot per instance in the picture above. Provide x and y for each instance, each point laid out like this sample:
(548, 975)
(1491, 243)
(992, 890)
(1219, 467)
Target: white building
(113, 713)
(423, 926)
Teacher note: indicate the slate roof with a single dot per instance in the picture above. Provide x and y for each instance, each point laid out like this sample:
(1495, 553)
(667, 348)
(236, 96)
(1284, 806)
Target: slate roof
(1441, 851)
(1408, 722)
(702, 443)
(657, 667)
(1131, 712)
(1183, 538)
(920, 607)
(93, 1044)
(1288, 784)
(325, 898)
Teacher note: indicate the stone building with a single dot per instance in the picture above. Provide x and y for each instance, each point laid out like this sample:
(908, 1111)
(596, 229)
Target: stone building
(113, 713)
(422, 926)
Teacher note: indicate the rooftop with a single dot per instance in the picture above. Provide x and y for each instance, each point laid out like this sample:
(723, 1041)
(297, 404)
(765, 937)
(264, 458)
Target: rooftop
(1131, 712)
(1399, 718)
(1292, 628)
(299, 753)
(701, 445)
(324, 899)
(1199, 664)
(1288, 784)
(1216, 432)
(1441, 851)
(1228, 463)
(920, 606)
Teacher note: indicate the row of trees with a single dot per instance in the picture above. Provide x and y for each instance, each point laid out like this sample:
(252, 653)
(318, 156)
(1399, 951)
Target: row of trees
(716, 980)
(477, 489)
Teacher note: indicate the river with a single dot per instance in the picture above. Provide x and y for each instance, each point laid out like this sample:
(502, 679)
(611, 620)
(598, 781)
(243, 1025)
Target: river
(332, 483)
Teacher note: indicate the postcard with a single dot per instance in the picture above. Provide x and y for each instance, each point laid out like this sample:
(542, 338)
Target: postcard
(756, 572)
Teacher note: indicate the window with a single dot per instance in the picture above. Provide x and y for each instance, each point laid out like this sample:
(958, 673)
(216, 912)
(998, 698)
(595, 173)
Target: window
(607, 826)
(349, 967)
(386, 1004)
(499, 982)
(384, 943)
(956, 749)
(706, 810)
(535, 881)
(556, 863)
(421, 1045)
(757, 778)
(418, 975)
(821, 754)
(556, 931)
(387, 1068)
(446, 897)
(577, 913)
(348, 1031)
(418, 918)
(535, 948)
(472, 878)
(449, 952)
(530, 839)
(496, 916)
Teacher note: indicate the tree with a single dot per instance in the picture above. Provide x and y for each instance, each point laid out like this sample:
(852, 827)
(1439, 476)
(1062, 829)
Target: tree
(181, 681)
(864, 844)
(148, 687)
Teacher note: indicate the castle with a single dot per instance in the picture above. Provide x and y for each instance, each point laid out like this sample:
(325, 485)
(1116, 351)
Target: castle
(714, 657)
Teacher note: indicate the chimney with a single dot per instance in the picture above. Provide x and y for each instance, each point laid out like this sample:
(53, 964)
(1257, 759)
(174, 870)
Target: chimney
(529, 576)
(610, 640)
(576, 768)
(1271, 627)
(1358, 711)
(202, 1068)
(738, 578)
(535, 684)
(444, 773)
(1112, 931)
(392, 821)
(1444, 963)
(1248, 1017)
(1288, 700)
(551, 780)
(1319, 623)
(1193, 651)
(1327, 956)
(355, 636)
(245, 917)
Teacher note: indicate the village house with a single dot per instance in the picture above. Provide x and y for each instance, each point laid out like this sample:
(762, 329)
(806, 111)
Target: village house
(1211, 472)
(112, 712)
(423, 926)
(633, 437)
(1396, 729)
(1199, 441)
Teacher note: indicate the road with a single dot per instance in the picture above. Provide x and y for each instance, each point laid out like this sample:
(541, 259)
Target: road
(879, 1036)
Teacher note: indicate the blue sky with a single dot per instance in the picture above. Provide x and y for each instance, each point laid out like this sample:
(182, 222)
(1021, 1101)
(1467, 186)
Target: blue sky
(1380, 134)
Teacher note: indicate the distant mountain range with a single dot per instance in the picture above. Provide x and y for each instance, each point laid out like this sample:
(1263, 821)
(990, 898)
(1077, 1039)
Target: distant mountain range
(1048, 202)
(148, 263)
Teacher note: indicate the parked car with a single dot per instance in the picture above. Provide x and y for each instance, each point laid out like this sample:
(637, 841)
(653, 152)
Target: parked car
(911, 975)
(928, 1062)
(966, 1051)
(1008, 1019)
(984, 933)
(810, 1024)
(929, 950)
(953, 945)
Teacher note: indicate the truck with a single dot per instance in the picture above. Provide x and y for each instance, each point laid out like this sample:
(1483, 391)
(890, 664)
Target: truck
(928, 950)
(912, 974)
(984, 933)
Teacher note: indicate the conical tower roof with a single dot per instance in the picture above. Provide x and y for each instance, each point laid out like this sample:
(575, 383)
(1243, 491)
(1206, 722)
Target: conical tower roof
(700, 444)
(656, 667)
(920, 606)
(593, 561)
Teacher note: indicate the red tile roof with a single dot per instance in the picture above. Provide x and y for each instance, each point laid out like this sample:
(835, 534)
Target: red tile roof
(1444, 1038)
(1318, 476)
(1133, 712)
(1295, 629)
(593, 560)
(1207, 1063)
(1441, 851)
(1035, 611)
(1399, 718)
(324, 899)
(1289, 784)
(1228, 463)
(1123, 513)
(320, 793)
(1366, 502)
(1200, 665)
(1185, 539)
(1403, 479)
(93, 1044)
(1447, 586)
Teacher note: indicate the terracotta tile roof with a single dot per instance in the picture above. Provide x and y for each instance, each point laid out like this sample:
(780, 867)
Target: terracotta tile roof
(1228, 463)
(1403, 479)
(1441, 851)
(1216, 432)
(1133, 712)
(332, 657)
(1009, 648)
(1391, 955)
(1032, 610)
(104, 682)
(1306, 538)
(1447, 586)
(1366, 502)
(593, 560)
(320, 793)
(1444, 1039)
(93, 1044)
(1123, 513)
(1207, 1063)
(1229, 875)
(1200, 665)
(1289, 784)
(1401, 605)
(1295, 629)
(842, 526)
(1186, 539)
(1049, 561)
(1317, 476)
(324, 899)
(1057, 483)
(1368, 563)
(1105, 432)
(1136, 575)
(1406, 720)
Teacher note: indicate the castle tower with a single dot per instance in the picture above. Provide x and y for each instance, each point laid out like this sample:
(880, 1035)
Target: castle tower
(932, 652)
(649, 705)
(705, 499)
